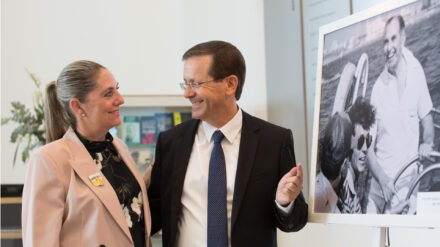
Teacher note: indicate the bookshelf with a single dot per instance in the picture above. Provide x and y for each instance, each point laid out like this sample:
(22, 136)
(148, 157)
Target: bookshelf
(144, 117)
(11, 215)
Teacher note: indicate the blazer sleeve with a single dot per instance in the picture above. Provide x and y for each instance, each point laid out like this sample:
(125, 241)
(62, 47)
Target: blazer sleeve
(297, 218)
(43, 202)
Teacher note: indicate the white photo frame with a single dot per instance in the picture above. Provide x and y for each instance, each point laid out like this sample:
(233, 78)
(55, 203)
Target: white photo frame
(363, 34)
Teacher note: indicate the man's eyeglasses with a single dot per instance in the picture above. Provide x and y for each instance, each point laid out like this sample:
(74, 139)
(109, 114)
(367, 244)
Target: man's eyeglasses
(364, 138)
(192, 85)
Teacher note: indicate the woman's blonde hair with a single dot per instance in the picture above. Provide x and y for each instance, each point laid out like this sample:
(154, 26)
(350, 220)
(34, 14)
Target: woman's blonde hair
(76, 80)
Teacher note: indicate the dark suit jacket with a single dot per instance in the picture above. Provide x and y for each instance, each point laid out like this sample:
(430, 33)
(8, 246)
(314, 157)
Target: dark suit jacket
(265, 155)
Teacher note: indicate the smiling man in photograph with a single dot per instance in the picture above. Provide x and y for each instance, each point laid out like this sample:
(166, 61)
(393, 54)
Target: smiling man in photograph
(402, 103)
(224, 178)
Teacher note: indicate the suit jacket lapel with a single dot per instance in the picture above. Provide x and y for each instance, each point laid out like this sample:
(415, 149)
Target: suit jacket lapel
(184, 142)
(246, 157)
(83, 164)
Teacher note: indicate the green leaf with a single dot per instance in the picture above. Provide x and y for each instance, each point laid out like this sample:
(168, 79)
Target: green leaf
(34, 78)
(15, 155)
(25, 155)
(5, 120)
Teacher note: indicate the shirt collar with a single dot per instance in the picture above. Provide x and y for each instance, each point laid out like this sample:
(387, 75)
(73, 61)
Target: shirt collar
(98, 146)
(230, 130)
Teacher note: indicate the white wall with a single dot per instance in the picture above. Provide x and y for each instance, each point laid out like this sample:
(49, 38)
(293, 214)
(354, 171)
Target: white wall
(285, 90)
(141, 42)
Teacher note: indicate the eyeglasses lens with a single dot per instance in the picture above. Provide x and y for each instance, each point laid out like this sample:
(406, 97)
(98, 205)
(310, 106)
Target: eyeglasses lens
(362, 139)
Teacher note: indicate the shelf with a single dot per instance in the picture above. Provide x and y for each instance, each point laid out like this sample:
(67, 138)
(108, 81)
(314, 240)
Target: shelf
(10, 200)
(11, 190)
(155, 101)
(11, 233)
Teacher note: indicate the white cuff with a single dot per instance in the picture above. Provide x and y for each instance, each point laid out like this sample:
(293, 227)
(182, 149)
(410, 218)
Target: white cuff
(285, 210)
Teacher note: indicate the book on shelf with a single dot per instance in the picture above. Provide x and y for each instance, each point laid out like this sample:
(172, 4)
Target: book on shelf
(131, 130)
(180, 117)
(148, 129)
(164, 121)
(177, 118)
(185, 116)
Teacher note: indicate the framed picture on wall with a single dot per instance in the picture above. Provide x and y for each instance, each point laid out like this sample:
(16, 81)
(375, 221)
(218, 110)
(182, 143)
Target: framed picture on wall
(376, 137)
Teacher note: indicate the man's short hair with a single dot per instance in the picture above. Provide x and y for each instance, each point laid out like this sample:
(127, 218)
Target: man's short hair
(399, 19)
(335, 145)
(226, 60)
(362, 112)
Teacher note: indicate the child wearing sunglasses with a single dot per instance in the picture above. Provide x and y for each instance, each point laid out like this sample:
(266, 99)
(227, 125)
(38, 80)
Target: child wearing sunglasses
(353, 196)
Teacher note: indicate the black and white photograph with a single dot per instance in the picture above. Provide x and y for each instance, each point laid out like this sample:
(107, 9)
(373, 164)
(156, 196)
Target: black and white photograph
(377, 121)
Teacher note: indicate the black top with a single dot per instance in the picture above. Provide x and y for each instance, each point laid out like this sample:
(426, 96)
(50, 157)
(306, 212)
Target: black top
(123, 182)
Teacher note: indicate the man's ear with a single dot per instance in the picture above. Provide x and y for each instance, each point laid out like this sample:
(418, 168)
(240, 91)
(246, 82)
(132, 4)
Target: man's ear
(77, 110)
(231, 83)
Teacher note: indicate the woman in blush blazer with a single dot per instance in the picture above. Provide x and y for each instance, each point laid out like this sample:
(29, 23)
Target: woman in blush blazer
(82, 188)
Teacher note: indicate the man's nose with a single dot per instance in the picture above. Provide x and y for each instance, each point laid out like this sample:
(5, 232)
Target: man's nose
(189, 92)
(387, 48)
(364, 147)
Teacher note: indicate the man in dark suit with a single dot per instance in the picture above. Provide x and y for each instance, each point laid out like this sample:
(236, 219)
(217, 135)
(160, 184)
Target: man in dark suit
(224, 178)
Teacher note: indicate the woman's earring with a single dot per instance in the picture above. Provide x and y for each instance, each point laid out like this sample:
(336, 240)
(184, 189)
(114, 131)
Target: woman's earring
(83, 115)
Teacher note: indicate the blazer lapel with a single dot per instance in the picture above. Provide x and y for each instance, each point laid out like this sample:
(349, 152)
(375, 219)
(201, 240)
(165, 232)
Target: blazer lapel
(83, 164)
(245, 163)
(126, 157)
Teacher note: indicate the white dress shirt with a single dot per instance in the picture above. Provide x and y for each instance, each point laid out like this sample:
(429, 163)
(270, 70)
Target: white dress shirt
(193, 224)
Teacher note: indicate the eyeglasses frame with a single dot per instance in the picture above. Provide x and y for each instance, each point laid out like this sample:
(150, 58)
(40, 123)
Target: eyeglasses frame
(194, 85)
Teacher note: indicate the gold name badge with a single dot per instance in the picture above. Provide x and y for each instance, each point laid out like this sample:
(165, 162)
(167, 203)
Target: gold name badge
(96, 179)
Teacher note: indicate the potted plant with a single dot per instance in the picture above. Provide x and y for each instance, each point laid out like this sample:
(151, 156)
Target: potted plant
(30, 130)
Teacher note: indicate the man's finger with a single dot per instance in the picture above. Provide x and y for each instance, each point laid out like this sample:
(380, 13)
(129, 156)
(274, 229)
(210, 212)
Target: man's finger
(291, 179)
(294, 179)
(291, 173)
(292, 187)
(300, 170)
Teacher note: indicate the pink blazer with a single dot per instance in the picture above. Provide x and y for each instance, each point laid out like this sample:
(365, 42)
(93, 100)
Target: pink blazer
(62, 207)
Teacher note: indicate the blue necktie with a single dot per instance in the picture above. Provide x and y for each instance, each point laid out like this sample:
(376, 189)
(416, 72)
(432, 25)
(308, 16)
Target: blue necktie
(217, 212)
